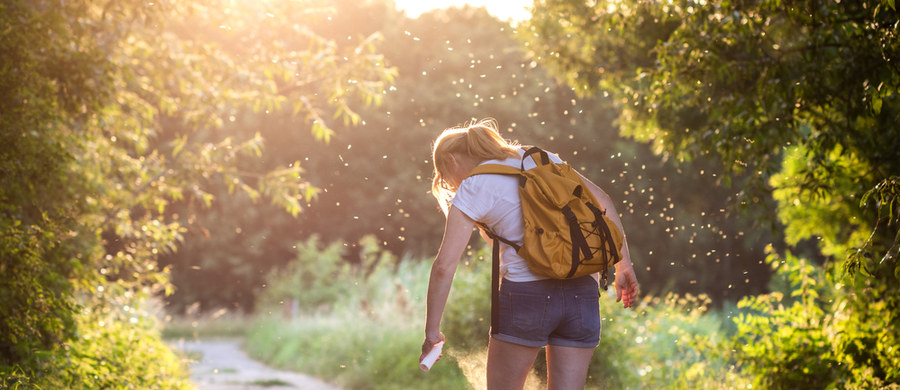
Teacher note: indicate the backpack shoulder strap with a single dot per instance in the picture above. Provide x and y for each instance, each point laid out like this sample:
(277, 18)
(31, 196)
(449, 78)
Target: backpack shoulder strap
(495, 275)
(531, 151)
(495, 287)
(498, 169)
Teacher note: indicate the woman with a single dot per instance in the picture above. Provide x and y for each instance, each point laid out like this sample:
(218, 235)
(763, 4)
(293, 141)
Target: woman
(532, 313)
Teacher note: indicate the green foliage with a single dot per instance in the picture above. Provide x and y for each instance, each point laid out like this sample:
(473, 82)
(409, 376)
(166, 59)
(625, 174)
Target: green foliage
(361, 330)
(736, 79)
(351, 350)
(112, 113)
(784, 340)
(319, 274)
(467, 316)
(30, 299)
(886, 197)
(369, 334)
(807, 336)
(218, 325)
(673, 342)
(121, 351)
(452, 65)
(772, 91)
(44, 245)
(833, 215)
(117, 347)
(859, 323)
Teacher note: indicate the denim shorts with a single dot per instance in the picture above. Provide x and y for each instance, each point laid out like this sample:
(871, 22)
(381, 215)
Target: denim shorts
(557, 312)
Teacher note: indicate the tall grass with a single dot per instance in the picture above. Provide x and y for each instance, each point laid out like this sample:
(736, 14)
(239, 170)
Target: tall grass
(369, 335)
(663, 343)
(368, 341)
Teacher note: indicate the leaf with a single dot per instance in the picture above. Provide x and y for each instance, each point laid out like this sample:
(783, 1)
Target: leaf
(178, 144)
(207, 198)
(250, 191)
(310, 192)
(321, 132)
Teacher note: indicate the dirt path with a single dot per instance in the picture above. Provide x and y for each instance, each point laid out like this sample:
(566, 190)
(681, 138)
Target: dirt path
(222, 365)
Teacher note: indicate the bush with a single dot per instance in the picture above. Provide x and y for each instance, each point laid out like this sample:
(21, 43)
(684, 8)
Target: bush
(663, 343)
(368, 335)
(116, 347)
(320, 277)
(806, 336)
(467, 317)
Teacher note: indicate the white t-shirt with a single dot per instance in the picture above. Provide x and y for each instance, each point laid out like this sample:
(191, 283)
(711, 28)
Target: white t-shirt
(494, 200)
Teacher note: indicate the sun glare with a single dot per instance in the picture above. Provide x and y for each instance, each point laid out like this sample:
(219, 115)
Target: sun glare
(504, 10)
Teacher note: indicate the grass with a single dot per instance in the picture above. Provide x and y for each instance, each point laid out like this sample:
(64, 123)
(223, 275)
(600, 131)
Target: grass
(369, 334)
(218, 325)
(353, 351)
(270, 383)
(369, 339)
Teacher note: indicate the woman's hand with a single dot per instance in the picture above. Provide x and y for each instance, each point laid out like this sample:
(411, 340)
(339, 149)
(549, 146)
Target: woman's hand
(430, 342)
(626, 283)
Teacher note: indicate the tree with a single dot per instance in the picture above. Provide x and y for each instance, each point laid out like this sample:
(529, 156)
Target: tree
(38, 257)
(113, 112)
(798, 98)
(454, 65)
(468, 63)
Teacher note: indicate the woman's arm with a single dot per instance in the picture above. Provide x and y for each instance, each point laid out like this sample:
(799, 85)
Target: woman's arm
(457, 232)
(626, 281)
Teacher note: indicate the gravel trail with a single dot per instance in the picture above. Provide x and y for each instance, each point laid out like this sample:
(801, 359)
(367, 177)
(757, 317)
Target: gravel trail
(223, 365)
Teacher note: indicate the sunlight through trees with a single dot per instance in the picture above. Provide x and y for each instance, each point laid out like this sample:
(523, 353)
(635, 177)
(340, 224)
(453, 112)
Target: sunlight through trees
(215, 155)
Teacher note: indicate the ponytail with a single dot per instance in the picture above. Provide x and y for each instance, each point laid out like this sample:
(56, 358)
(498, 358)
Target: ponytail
(480, 140)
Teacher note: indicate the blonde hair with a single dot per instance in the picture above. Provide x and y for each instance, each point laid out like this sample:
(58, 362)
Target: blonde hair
(480, 140)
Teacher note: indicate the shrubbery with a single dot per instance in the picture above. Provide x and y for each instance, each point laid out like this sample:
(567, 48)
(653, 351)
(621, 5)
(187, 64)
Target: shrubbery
(803, 336)
(364, 334)
(368, 334)
(116, 348)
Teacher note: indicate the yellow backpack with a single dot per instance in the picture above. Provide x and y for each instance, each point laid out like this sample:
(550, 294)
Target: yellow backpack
(567, 235)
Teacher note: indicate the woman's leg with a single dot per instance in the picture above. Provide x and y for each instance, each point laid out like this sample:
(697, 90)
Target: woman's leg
(508, 365)
(567, 367)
